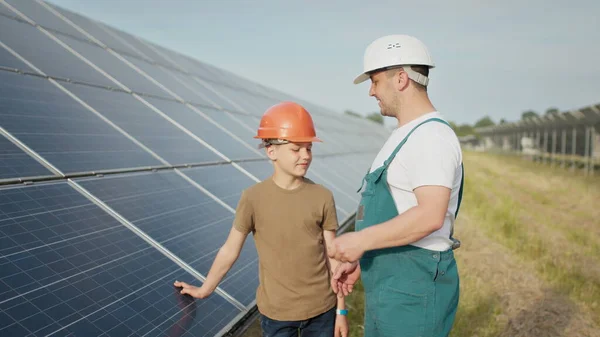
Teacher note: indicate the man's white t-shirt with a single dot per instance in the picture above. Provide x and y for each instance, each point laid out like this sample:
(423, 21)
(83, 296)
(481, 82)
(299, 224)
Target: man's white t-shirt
(431, 156)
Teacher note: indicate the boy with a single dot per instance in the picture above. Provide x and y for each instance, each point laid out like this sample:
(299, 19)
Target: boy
(293, 221)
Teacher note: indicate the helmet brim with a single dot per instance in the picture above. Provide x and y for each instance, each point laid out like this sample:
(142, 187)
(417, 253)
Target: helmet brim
(299, 139)
(361, 78)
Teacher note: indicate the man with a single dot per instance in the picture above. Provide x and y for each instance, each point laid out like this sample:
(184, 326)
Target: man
(402, 246)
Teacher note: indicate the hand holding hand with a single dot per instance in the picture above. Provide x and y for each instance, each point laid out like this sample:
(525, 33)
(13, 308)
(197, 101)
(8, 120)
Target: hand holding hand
(347, 247)
(344, 277)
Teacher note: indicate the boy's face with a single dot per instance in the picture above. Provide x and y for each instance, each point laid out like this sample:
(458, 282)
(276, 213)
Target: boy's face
(292, 158)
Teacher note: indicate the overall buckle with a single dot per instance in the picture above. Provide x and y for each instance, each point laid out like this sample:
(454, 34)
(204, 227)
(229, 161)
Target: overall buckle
(455, 243)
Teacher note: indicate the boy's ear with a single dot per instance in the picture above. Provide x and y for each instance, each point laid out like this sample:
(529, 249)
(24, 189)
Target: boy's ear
(271, 152)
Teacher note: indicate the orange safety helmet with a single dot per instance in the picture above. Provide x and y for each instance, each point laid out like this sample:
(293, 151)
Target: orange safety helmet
(287, 121)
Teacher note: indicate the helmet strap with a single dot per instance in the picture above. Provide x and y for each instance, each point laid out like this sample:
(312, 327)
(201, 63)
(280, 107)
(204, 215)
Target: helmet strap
(415, 76)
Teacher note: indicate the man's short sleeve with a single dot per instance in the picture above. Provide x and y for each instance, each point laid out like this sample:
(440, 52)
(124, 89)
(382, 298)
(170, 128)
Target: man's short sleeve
(434, 156)
(330, 222)
(244, 215)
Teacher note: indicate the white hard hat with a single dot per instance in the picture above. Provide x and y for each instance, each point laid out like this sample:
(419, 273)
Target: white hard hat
(396, 50)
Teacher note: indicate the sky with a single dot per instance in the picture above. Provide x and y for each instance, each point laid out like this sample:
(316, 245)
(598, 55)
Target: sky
(493, 58)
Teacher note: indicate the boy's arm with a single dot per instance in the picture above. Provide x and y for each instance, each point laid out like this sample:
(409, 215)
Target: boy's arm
(243, 224)
(329, 235)
(226, 257)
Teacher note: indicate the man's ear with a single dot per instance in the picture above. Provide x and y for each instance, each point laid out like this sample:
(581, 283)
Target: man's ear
(401, 80)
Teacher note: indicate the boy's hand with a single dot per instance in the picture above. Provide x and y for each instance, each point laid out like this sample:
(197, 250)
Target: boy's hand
(196, 292)
(341, 326)
(344, 277)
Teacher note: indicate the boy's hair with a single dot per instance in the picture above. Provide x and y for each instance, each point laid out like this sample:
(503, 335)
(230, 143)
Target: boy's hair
(272, 141)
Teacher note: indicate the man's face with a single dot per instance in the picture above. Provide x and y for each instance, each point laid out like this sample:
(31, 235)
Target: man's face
(292, 158)
(383, 90)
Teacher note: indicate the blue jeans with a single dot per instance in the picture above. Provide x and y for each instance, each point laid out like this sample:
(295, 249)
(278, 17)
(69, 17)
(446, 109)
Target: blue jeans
(322, 325)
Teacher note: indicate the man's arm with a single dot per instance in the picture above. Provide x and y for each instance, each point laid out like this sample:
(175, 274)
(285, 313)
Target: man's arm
(226, 257)
(412, 225)
(408, 227)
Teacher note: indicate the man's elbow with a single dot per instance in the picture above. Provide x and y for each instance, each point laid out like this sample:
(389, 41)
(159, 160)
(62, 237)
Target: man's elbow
(435, 220)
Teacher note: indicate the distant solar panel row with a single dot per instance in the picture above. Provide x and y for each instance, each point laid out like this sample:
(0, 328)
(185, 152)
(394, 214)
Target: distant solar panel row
(91, 254)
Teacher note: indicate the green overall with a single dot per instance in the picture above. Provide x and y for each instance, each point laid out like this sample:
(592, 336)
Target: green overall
(409, 291)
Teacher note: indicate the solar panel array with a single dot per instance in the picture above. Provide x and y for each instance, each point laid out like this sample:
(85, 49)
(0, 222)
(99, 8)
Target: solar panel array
(121, 164)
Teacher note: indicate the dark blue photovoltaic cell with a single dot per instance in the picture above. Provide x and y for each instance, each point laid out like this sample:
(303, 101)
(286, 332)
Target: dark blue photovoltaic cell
(10, 61)
(6, 11)
(67, 267)
(173, 81)
(242, 280)
(61, 130)
(344, 204)
(115, 67)
(243, 99)
(95, 30)
(224, 181)
(14, 163)
(140, 47)
(243, 126)
(207, 131)
(214, 93)
(171, 211)
(54, 60)
(145, 125)
(261, 169)
(43, 17)
(227, 183)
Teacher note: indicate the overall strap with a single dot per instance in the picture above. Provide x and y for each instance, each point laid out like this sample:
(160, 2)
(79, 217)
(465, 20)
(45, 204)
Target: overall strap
(460, 191)
(391, 157)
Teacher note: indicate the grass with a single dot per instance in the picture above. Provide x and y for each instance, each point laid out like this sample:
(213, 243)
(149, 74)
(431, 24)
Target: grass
(531, 246)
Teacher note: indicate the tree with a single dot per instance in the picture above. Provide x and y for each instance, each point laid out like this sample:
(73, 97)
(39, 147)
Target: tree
(464, 130)
(503, 121)
(485, 121)
(529, 114)
(552, 111)
(375, 117)
(352, 113)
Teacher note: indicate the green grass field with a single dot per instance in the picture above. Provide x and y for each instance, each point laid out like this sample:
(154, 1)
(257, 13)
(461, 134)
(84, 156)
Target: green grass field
(530, 259)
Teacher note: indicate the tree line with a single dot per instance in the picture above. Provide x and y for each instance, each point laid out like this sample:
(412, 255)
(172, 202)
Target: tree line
(462, 129)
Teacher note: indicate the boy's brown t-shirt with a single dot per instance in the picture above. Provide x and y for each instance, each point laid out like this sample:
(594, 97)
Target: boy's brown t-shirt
(288, 232)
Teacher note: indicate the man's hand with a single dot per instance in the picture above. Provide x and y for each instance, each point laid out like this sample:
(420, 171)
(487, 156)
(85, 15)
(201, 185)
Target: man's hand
(196, 292)
(347, 247)
(344, 277)
(341, 326)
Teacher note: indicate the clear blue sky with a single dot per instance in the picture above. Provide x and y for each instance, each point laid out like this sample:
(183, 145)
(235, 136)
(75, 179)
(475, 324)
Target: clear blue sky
(493, 58)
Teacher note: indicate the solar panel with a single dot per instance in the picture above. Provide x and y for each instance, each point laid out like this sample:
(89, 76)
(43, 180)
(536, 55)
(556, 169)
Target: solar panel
(92, 28)
(8, 60)
(222, 139)
(145, 124)
(261, 169)
(55, 60)
(224, 181)
(61, 130)
(43, 17)
(151, 183)
(67, 267)
(115, 67)
(171, 211)
(15, 163)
